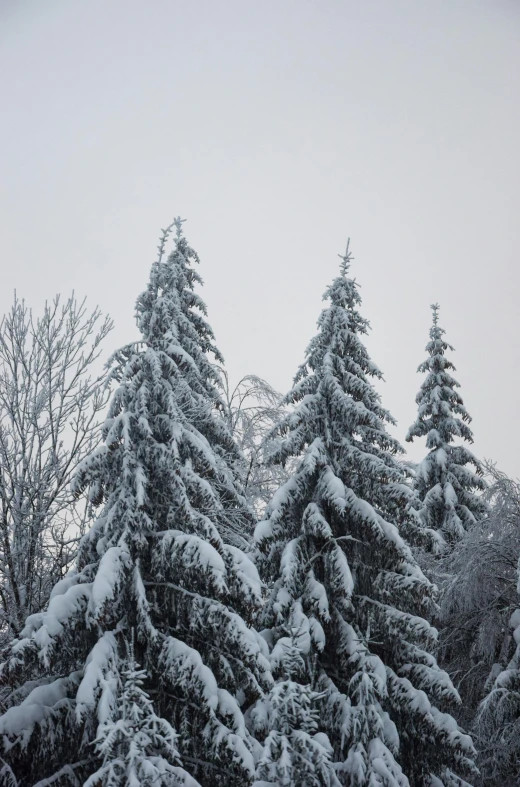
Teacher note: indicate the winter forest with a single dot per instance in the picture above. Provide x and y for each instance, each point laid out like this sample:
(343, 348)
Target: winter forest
(212, 584)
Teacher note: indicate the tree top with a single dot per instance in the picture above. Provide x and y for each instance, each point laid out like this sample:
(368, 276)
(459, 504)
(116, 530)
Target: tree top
(345, 260)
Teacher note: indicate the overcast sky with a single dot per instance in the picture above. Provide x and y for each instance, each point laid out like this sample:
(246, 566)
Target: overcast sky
(278, 128)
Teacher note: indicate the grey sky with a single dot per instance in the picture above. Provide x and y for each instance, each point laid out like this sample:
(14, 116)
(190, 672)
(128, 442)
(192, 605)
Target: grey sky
(278, 129)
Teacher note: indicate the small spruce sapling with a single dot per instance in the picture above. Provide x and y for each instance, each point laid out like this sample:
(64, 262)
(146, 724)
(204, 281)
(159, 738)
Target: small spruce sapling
(295, 753)
(139, 748)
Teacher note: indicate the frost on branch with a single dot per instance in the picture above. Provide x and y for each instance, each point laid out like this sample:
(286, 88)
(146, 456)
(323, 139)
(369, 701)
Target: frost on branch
(485, 625)
(50, 405)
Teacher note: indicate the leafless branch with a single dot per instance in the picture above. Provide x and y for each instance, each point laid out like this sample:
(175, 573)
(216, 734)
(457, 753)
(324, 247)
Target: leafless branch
(50, 403)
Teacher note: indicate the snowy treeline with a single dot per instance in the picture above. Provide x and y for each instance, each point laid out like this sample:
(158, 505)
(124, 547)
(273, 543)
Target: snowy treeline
(264, 593)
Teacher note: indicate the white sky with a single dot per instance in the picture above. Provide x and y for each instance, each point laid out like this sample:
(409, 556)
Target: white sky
(278, 129)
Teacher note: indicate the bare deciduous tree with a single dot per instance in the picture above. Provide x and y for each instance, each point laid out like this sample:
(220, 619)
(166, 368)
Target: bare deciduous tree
(253, 408)
(480, 595)
(50, 399)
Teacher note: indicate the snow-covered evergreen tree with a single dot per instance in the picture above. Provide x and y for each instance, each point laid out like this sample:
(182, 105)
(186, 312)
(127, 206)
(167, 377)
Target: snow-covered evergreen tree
(295, 753)
(199, 388)
(498, 722)
(445, 483)
(139, 749)
(154, 561)
(341, 574)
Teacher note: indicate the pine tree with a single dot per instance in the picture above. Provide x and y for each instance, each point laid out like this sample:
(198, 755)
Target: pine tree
(295, 753)
(446, 486)
(154, 561)
(340, 572)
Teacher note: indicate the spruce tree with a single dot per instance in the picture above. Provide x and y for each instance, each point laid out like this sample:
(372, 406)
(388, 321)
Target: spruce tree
(295, 753)
(445, 483)
(340, 572)
(138, 748)
(154, 561)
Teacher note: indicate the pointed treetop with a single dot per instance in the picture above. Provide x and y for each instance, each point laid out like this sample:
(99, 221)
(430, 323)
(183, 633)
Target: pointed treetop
(177, 223)
(437, 345)
(345, 260)
(165, 234)
(162, 241)
(436, 332)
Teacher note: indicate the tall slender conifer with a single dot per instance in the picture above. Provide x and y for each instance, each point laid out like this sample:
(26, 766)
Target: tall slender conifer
(446, 485)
